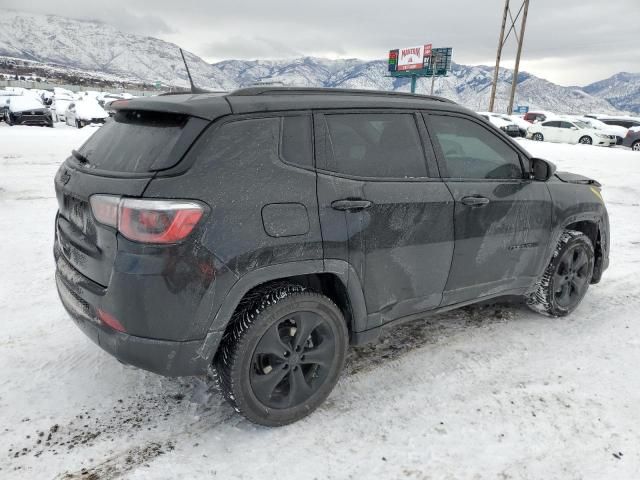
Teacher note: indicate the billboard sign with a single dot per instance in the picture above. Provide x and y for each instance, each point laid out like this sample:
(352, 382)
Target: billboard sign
(410, 58)
(441, 61)
(522, 109)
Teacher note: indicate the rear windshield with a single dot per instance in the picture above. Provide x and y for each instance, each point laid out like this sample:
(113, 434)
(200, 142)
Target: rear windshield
(137, 142)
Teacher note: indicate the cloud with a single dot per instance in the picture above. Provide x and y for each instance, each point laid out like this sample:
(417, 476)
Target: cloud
(585, 35)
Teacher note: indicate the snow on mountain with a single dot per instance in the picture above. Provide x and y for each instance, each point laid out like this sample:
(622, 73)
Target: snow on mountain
(622, 90)
(96, 47)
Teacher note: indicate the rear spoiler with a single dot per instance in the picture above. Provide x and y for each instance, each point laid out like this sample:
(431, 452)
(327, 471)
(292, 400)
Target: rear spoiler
(207, 106)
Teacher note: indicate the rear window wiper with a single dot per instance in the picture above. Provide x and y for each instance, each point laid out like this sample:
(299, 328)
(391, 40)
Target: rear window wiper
(78, 156)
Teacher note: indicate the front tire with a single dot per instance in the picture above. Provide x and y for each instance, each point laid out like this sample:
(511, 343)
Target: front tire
(566, 280)
(586, 140)
(282, 355)
(538, 137)
(636, 146)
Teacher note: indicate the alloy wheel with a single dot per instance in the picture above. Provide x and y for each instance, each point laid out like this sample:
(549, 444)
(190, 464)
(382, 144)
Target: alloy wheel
(570, 279)
(292, 360)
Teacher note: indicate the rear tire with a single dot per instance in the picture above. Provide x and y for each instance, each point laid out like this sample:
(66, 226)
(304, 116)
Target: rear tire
(566, 280)
(538, 137)
(282, 355)
(586, 140)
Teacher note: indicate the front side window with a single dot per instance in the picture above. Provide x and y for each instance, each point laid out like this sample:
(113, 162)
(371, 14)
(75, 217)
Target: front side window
(385, 145)
(551, 124)
(471, 151)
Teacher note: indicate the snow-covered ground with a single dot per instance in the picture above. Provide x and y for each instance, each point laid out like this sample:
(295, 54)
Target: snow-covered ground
(484, 392)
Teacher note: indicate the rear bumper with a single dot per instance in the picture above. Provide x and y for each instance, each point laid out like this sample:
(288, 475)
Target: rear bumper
(164, 357)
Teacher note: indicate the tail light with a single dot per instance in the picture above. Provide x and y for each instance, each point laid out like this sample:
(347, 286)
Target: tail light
(147, 220)
(110, 320)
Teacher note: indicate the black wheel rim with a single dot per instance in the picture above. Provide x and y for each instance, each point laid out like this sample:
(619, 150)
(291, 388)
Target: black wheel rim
(571, 278)
(292, 360)
(538, 137)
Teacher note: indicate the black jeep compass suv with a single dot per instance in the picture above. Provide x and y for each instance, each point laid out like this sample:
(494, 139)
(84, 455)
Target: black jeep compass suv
(258, 233)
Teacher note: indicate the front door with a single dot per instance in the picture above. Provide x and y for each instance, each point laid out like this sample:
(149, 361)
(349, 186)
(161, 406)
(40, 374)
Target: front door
(502, 218)
(383, 209)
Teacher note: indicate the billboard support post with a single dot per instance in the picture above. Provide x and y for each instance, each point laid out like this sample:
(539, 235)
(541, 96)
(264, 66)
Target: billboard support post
(414, 79)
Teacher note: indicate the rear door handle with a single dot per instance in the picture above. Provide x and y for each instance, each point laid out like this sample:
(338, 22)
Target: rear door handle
(347, 205)
(475, 201)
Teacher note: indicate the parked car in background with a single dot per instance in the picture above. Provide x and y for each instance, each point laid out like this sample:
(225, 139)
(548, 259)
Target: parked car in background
(573, 132)
(521, 122)
(62, 91)
(626, 122)
(538, 116)
(109, 98)
(4, 101)
(504, 123)
(632, 140)
(617, 130)
(59, 105)
(84, 112)
(27, 110)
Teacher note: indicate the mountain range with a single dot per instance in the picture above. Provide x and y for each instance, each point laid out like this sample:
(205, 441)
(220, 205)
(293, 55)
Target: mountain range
(97, 49)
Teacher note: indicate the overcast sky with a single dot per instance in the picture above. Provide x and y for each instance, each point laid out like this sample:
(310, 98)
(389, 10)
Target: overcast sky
(571, 42)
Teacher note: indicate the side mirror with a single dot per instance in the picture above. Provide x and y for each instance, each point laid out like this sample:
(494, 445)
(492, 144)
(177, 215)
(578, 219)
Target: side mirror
(542, 170)
(574, 128)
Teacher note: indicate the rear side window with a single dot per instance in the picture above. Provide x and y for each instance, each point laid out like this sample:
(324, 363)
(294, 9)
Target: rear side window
(551, 124)
(140, 141)
(296, 144)
(383, 145)
(471, 151)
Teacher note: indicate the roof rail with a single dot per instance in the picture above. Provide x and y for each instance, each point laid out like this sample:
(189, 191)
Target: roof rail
(253, 91)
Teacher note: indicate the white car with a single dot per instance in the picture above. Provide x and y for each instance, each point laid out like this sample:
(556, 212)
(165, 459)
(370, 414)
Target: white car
(569, 131)
(5, 95)
(109, 98)
(503, 122)
(617, 130)
(84, 112)
(59, 106)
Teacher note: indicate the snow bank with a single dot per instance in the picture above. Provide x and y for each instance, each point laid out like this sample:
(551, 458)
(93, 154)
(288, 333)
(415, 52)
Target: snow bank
(484, 392)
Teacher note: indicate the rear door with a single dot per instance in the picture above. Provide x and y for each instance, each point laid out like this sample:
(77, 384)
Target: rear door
(383, 209)
(502, 218)
(120, 158)
(552, 131)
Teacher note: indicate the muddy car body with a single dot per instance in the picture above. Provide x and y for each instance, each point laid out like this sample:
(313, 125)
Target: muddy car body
(307, 218)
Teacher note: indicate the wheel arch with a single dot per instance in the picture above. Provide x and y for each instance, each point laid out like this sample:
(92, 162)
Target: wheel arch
(592, 228)
(334, 278)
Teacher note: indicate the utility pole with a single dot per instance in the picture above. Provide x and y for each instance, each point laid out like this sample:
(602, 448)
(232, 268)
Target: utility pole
(516, 70)
(523, 10)
(494, 85)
